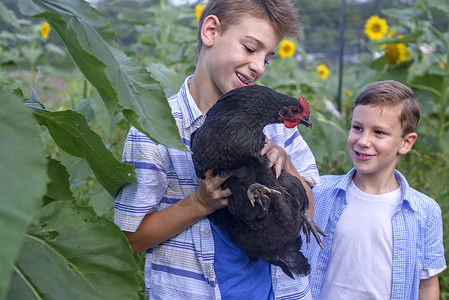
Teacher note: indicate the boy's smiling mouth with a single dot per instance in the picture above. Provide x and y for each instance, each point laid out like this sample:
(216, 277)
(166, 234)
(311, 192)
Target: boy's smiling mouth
(362, 155)
(243, 78)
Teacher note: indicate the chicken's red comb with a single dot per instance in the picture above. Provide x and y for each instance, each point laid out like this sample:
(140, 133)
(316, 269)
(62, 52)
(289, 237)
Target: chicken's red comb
(305, 105)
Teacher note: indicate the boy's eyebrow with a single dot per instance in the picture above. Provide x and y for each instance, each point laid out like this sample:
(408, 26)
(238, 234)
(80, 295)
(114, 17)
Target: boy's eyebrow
(259, 43)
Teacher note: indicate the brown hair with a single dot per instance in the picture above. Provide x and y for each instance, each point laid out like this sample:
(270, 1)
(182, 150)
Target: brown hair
(393, 94)
(281, 13)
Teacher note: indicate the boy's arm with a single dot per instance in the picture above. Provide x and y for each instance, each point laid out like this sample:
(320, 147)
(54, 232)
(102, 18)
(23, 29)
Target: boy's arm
(429, 289)
(159, 226)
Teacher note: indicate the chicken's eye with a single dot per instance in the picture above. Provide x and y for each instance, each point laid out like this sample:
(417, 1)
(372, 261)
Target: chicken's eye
(295, 110)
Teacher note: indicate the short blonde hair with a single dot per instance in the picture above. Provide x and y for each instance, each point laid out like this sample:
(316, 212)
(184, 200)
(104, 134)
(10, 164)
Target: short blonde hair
(281, 13)
(393, 94)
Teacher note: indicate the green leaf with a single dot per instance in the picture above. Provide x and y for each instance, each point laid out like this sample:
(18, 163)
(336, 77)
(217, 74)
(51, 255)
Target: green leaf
(34, 101)
(102, 202)
(169, 79)
(407, 39)
(31, 54)
(71, 253)
(71, 132)
(330, 147)
(428, 144)
(440, 5)
(58, 188)
(124, 16)
(8, 16)
(432, 83)
(23, 178)
(52, 48)
(402, 14)
(85, 108)
(77, 168)
(379, 64)
(120, 81)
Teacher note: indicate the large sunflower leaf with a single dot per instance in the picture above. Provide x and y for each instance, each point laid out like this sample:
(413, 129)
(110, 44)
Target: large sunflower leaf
(71, 132)
(23, 178)
(59, 187)
(121, 82)
(71, 253)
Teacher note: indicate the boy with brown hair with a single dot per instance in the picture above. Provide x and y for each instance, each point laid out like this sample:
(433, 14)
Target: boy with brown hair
(385, 238)
(166, 212)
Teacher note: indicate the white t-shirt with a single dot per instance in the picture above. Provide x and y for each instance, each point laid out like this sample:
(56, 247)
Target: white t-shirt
(360, 265)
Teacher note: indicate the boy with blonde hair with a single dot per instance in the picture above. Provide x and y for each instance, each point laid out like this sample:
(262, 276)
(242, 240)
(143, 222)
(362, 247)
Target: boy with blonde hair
(385, 238)
(165, 214)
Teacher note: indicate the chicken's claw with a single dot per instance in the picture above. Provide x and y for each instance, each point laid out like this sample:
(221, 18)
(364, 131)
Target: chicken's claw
(256, 191)
(310, 226)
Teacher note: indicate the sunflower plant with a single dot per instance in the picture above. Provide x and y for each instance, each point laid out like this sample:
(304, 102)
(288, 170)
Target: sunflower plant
(45, 30)
(286, 48)
(376, 28)
(322, 71)
(26, 45)
(198, 10)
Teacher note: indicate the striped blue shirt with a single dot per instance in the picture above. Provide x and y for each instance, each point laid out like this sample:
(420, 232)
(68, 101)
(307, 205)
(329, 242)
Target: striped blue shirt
(417, 235)
(182, 267)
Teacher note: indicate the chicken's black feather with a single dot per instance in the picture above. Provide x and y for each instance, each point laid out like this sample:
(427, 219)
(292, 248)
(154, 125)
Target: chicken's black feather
(231, 139)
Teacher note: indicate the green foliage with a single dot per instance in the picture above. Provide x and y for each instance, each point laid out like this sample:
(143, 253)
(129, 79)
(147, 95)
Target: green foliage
(23, 179)
(71, 253)
(89, 38)
(71, 132)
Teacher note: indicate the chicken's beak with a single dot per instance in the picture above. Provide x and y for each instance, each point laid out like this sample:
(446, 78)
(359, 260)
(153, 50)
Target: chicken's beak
(305, 121)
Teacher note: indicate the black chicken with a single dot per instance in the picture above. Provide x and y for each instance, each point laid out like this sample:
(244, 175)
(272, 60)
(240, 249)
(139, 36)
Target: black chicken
(264, 215)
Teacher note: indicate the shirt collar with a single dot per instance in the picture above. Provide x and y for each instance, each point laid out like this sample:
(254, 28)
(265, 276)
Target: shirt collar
(405, 188)
(189, 109)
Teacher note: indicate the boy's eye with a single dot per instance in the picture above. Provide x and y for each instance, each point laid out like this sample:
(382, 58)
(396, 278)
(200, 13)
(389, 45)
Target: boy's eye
(249, 49)
(268, 60)
(356, 128)
(379, 132)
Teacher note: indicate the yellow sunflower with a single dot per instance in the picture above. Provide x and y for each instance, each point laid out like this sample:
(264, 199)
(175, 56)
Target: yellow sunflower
(286, 48)
(198, 10)
(396, 53)
(322, 71)
(376, 28)
(349, 94)
(45, 30)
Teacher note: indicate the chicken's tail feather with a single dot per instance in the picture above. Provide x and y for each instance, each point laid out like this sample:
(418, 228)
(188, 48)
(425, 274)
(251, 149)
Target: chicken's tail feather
(293, 262)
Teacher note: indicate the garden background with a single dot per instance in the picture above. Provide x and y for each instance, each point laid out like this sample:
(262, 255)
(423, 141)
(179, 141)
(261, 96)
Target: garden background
(74, 78)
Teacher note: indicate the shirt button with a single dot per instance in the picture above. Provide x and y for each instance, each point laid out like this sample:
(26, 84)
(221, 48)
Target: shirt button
(339, 198)
(406, 210)
(318, 271)
(207, 230)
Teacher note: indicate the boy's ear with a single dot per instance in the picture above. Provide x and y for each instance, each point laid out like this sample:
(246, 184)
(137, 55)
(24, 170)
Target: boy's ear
(407, 142)
(210, 30)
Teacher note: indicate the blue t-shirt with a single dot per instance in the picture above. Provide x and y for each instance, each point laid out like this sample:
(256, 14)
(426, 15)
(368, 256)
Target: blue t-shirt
(239, 277)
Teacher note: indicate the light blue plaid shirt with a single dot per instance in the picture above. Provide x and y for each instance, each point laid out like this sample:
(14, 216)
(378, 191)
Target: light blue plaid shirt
(417, 235)
(183, 266)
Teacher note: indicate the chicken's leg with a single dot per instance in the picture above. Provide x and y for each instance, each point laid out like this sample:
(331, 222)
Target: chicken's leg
(256, 191)
(310, 226)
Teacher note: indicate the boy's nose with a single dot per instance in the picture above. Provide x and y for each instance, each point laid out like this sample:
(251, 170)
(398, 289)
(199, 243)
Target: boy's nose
(364, 140)
(258, 67)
